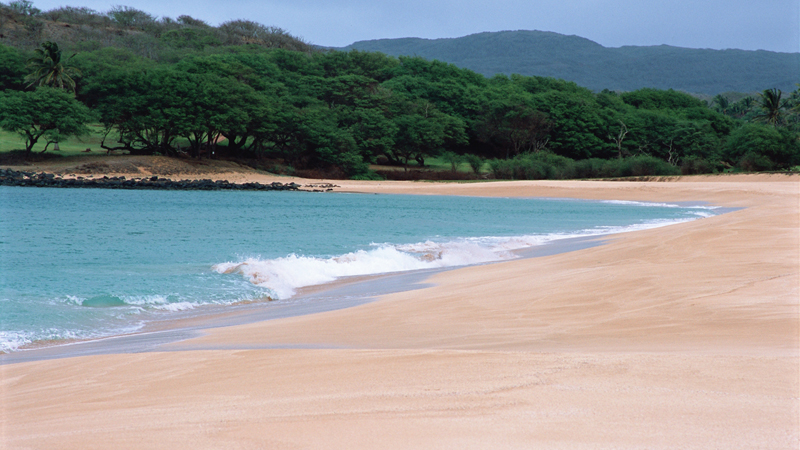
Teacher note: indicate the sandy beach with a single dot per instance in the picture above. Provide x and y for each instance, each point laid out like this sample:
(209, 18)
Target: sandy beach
(686, 336)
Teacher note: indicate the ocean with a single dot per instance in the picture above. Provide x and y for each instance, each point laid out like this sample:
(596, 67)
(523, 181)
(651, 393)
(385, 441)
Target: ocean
(90, 263)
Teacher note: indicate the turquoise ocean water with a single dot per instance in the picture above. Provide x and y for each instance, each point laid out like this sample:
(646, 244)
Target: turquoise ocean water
(86, 263)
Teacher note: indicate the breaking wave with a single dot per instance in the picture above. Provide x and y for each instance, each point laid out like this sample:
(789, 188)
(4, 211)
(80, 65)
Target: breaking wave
(284, 276)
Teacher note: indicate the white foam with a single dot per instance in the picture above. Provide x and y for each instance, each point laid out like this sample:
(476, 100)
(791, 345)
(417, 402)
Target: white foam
(178, 306)
(145, 300)
(12, 340)
(659, 205)
(283, 276)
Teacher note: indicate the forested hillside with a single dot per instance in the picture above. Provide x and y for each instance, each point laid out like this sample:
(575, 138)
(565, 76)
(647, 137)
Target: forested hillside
(299, 109)
(589, 64)
(24, 27)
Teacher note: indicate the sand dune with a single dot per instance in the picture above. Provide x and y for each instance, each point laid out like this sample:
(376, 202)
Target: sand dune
(686, 336)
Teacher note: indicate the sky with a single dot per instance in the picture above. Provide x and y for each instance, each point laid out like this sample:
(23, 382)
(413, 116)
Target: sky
(719, 24)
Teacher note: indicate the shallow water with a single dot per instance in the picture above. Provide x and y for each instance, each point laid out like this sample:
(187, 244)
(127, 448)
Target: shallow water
(83, 263)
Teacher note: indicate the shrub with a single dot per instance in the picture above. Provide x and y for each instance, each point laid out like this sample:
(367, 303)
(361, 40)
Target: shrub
(416, 174)
(475, 162)
(368, 176)
(777, 146)
(452, 158)
(589, 168)
(536, 166)
(693, 166)
(78, 16)
(126, 16)
(24, 7)
(650, 165)
(755, 162)
(558, 167)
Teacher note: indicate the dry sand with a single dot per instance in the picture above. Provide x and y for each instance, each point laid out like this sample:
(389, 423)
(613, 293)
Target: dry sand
(686, 336)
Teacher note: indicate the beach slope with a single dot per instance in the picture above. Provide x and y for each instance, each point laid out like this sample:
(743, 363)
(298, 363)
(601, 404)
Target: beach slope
(685, 336)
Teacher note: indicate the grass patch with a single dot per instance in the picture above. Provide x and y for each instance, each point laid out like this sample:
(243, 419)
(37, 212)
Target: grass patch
(67, 147)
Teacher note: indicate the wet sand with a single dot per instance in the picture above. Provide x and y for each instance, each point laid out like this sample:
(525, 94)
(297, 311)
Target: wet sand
(685, 336)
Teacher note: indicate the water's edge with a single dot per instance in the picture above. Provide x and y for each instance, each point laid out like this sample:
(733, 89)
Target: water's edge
(340, 295)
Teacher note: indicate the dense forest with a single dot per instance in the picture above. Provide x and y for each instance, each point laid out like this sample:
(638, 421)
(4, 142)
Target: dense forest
(573, 58)
(242, 90)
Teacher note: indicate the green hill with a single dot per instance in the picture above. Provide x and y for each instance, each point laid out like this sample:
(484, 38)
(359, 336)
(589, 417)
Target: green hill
(589, 64)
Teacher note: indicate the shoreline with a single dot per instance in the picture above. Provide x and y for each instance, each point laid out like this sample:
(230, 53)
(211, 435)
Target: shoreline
(690, 331)
(346, 292)
(180, 325)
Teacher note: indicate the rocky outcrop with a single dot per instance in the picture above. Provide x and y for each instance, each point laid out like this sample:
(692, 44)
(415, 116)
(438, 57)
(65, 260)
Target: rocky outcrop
(10, 177)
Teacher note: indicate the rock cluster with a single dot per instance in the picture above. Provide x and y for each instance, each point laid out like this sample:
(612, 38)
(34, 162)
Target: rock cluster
(10, 177)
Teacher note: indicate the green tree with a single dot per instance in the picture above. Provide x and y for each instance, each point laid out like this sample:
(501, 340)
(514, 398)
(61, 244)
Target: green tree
(513, 126)
(423, 131)
(721, 104)
(46, 112)
(145, 109)
(374, 133)
(772, 108)
(12, 69)
(475, 162)
(24, 7)
(578, 129)
(126, 16)
(649, 98)
(755, 142)
(454, 159)
(49, 69)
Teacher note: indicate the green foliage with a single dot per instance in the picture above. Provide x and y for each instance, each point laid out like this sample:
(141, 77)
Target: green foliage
(423, 131)
(49, 69)
(546, 165)
(126, 16)
(12, 69)
(475, 162)
(453, 159)
(657, 99)
(238, 32)
(191, 22)
(761, 147)
(511, 125)
(78, 16)
(46, 112)
(123, 27)
(772, 107)
(755, 162)
(694, 165)
(368, 176)
(247, 90)
(191, 37)
(578, 130)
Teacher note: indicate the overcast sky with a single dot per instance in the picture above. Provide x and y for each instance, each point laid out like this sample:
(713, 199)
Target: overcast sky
(745, 24)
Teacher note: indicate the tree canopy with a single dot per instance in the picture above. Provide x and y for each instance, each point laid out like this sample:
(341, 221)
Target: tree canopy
(46, 112)
(248, 91)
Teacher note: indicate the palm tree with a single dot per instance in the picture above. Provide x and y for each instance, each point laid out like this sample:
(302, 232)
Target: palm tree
(771, 107)
(49, 70)
(795, 98)
(721, 103)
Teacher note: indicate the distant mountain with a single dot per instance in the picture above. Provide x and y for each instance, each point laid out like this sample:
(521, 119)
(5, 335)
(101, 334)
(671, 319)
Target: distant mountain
(589, 64)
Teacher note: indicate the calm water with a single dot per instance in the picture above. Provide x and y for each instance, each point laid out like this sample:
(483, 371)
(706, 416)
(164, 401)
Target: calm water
(82, 263)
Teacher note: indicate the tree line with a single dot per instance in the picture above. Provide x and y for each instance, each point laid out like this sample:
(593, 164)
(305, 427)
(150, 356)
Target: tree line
(341, 111)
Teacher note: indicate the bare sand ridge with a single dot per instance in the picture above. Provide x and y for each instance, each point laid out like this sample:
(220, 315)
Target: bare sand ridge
(686, 336)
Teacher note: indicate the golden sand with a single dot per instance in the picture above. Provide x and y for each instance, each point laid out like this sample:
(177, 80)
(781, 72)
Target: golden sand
(685, 336)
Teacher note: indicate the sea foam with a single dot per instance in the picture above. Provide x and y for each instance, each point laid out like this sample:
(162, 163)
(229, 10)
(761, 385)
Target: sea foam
(282, 277)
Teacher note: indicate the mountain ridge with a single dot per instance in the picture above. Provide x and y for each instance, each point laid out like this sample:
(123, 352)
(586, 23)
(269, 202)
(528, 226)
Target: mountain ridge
(590, 64)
